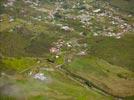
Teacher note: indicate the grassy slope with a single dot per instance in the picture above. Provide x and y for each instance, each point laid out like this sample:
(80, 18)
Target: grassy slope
(57, 87)
(115, 51)
(114, 79)
(11, 64)
(126, 5)
(30, 40)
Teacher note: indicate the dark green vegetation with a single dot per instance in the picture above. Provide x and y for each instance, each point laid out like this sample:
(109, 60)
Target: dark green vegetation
(66, 50)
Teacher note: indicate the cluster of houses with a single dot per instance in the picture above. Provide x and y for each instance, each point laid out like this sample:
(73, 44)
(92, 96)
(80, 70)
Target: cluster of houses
(68, 45)
(89, 17)
(115, 26)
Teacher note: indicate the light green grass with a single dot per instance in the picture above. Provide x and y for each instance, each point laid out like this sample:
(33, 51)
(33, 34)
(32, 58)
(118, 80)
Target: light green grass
(57, 87)
(17, 64)
(113, 79)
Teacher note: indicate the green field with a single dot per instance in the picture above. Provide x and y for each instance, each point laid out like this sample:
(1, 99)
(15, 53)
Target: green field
(113, 79)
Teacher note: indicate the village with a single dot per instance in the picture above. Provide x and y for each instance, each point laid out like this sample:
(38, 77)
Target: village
(64, 46)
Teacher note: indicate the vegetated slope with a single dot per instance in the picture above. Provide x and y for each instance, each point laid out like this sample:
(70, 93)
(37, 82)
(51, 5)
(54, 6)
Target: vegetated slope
(26, 35)
(93, 39)
(16, 65)
(112, 79)
(126, 5)
(116, 52)
(23, 39)
(56, 85)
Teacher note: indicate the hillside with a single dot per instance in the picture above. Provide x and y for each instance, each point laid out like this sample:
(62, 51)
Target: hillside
(66, 49)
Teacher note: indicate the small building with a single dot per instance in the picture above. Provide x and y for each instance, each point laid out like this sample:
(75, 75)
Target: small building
(54, 50)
